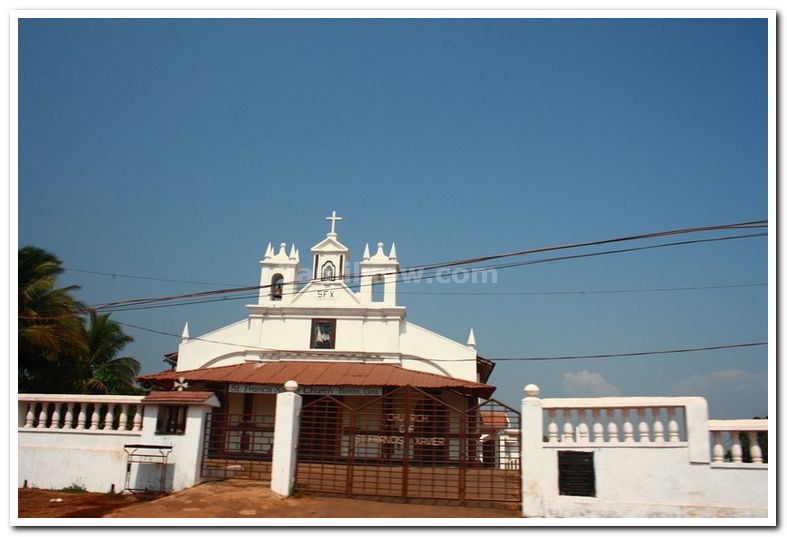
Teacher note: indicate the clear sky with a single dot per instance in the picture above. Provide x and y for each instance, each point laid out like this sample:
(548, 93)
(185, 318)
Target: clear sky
(177, 149)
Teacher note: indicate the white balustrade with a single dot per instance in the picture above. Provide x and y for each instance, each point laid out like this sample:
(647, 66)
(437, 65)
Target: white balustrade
(726, 441)
(94, 413)
(640, 422)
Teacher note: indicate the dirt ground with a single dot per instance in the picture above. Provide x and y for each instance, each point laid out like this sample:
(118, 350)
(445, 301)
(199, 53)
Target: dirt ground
(236, 499)
(36, 503)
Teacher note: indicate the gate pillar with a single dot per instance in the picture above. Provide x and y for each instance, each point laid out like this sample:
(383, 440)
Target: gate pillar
(532, 453)
(285, 439)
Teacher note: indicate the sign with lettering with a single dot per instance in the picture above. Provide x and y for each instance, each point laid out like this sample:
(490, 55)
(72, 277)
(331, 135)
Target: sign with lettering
(307, 390)
(326, 295)
(365, 439)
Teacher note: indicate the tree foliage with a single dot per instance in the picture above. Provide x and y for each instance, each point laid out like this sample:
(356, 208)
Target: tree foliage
(58, 351)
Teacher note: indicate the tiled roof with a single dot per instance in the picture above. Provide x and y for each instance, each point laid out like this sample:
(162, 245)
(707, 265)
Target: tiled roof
(322, 374)
(177, 397)
(494, 418)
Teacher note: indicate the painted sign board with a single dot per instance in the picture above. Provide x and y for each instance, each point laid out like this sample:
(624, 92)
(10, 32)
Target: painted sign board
(307, 390)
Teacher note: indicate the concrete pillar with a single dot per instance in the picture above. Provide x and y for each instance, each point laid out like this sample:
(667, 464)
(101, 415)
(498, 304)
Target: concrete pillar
(532, 453)
(697, 430)
(285, 440)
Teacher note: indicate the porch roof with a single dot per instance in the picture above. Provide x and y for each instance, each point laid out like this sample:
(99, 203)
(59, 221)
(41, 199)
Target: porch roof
(321, 374)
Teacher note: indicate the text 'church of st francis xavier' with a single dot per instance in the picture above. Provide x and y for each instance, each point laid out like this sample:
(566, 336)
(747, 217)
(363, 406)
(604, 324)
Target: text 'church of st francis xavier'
(389, 408)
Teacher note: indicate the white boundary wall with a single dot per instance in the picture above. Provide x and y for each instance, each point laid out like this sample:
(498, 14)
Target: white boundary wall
(643, 466)
(68, 440)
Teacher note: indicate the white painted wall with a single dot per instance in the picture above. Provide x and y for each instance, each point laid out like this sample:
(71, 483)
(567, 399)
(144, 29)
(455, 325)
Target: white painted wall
(362, 326)
(636, 478)
(56, 458)
(382, 333)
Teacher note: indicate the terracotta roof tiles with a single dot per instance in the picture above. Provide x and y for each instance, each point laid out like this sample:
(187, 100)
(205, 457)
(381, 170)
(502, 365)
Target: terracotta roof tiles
(322, 374)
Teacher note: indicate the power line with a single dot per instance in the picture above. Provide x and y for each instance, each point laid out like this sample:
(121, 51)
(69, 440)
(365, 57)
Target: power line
(503, 359)
(403, 276)
(118, 305)
(476, 293)
(624, 354)
(136, 277)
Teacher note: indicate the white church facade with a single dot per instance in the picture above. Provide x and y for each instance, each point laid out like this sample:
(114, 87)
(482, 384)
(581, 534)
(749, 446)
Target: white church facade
(327, 320)
(350, 347)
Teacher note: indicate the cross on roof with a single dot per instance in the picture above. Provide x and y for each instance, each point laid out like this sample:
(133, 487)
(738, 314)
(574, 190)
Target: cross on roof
(333, 218)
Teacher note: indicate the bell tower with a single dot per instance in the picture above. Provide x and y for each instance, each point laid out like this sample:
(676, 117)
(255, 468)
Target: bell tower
(278, 278)
(379, 276)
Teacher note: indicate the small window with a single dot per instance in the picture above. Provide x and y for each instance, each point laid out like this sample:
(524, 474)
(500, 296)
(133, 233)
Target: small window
(576, 475)
(378, 288)
(277, 287)
(323, 334)
(171, 420)
(328, 271)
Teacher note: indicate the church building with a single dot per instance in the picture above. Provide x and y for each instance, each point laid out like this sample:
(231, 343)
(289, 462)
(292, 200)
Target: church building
(346, 347)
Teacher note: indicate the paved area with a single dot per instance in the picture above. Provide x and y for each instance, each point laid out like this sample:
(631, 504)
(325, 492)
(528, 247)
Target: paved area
(248, 499)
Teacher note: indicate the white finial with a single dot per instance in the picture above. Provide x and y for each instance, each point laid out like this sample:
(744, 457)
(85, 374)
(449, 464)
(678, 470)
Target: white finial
(392, 255)
(471, 339)
(366, 252)
(283, 249)
(269, 251)
(185, 334)
(291, 386)
(292, 252)
(333, 218)
(380, 249)
(531, 390)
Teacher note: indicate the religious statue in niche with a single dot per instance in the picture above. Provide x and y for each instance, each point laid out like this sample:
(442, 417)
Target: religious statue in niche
(328, 271)
(323, 334)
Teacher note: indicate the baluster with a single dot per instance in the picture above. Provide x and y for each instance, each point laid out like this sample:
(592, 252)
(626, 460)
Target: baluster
(598, 427)
(31, 416)
(628, 428)
(68, 422)
(552, 429)
(644, 428)
(612, 426)
(137, 419)
(568, 427)
(672, 425)
(94, 419)
(718, 448)
(582, 429)
(109, 418)
(55, 424)
(754, 447)
(735, 448)
(658, 426)
(42, 416)
(82, 416)
(123, 418)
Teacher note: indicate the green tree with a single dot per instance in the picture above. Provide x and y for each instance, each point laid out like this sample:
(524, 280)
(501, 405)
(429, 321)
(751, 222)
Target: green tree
(49, 326)
(101, 371)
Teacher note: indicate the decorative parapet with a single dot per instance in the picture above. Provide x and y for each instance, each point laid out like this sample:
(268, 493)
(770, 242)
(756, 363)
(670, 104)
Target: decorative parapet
(732, 433)
(83, 413)
(629, 422)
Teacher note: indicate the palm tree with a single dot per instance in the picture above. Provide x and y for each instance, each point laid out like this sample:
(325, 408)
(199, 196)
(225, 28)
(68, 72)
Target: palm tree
(100, 370)
(48, 324)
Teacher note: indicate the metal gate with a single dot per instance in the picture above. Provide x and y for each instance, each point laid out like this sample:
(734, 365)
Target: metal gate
(238, 445)
(411, 444)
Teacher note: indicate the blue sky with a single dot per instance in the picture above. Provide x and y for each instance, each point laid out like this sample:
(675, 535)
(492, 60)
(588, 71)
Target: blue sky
(177, 149)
